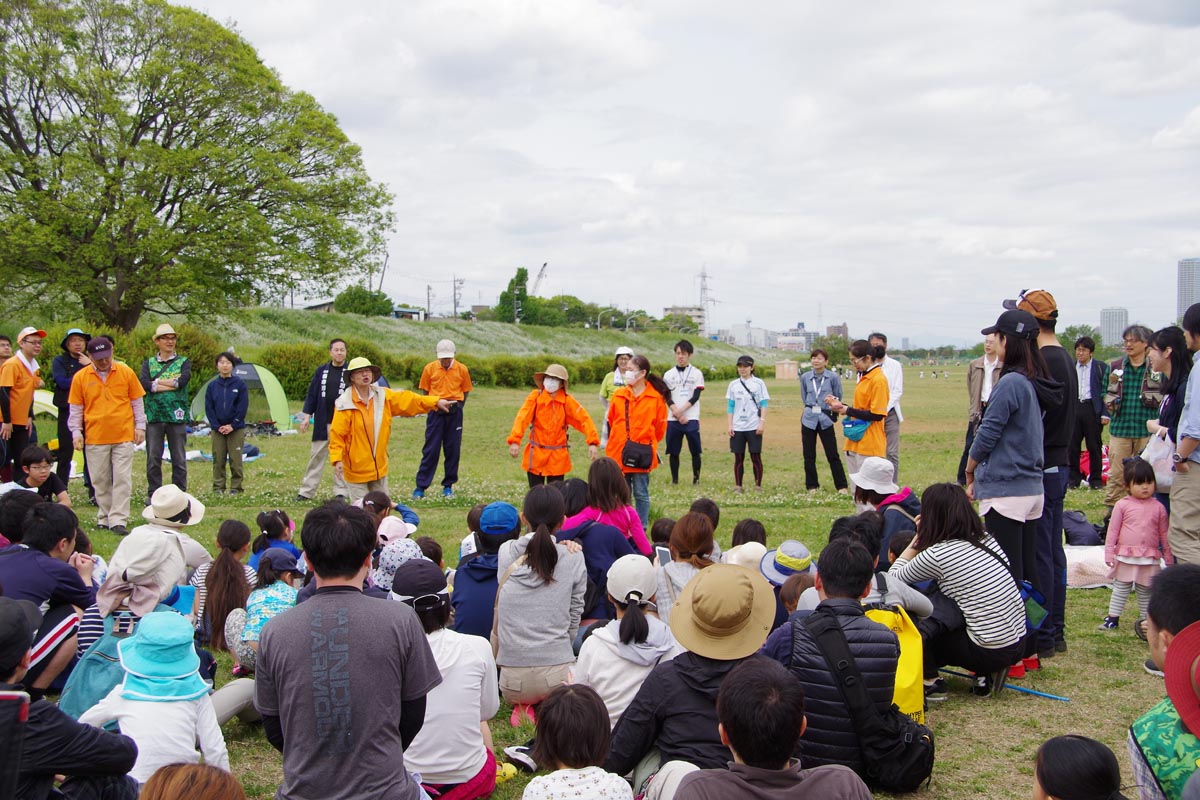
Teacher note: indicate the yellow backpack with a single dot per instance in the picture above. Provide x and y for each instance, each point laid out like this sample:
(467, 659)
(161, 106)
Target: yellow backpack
(909, 696)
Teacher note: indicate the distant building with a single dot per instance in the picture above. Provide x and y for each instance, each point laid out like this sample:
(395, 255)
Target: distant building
(904, 343)
(842, 330)
(1113, 322)
(325, 306)
(408, 312)
(1189, 285)
(797, 339)
(694, 313)
(745, 335)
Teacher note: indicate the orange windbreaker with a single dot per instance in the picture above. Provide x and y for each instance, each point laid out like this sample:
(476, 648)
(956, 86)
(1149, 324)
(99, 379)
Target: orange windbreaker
(871, 394)
(358, 434)
(550, 414)
(647, 422)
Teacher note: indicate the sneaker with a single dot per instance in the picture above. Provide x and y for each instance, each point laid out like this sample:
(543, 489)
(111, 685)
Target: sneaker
(843, 491)
(981, 686)
(1031, 664)
(242, 671)
(1110, 624)
(738, 490)
(447, 492)
(235, 491)
(695, 480)
(1152, 668)
(418, 494)
(119, 530)
(1139, 628)
(302, 499)
(1047, 652)
(758, 487)
(100, 527)
(1017, 670)
(935, 692)
(522, 757)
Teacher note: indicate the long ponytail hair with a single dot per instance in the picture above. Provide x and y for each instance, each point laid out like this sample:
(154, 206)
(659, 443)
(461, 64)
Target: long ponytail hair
(634, 627)
(225, 584)
(544, 511)
(660, 386)
(271, 525)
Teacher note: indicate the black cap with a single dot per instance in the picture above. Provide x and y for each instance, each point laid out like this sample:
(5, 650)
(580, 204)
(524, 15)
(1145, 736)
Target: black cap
(19, 620)
(745, 361)
(1015, 322)
(417, 577)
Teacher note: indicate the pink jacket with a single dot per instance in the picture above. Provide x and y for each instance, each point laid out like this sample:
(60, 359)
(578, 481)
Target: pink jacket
(1138, 529)
(624, 519)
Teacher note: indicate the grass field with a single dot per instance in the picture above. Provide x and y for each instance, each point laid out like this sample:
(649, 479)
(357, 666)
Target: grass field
(985, 746)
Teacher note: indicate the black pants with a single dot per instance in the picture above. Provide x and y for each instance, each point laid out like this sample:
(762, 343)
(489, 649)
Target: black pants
(538, 480)
(808, 437)
(1087, 429)
(966, 453)
(1018, 540)
(16, 445)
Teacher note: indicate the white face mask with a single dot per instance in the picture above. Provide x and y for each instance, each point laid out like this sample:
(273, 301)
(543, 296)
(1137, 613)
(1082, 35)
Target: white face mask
(630, 375)
(861, 507)
(551, 385)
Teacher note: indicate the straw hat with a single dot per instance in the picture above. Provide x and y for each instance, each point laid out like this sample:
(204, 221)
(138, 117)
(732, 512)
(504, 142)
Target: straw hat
(725, 613)
(554, 371)
(164, 330)
(173, 507)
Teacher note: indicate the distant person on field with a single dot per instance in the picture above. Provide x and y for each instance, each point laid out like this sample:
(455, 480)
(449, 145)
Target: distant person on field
(869, 406)
(612, 381)
(165, 377)
(685, 383)
(226, 401)
(1091, 375)
(636, 415)
(746, 406)
(894, 372)
(818, 420)
(328, 383)
(1185, 490)
(546, 413)
(450, 380)
(63, 368)
(1132, 398)
(982, 374)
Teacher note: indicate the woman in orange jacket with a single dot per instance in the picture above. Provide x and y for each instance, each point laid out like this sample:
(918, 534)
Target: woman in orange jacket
(869, 406)
(637, 414)
(362, 423)
(547, 412)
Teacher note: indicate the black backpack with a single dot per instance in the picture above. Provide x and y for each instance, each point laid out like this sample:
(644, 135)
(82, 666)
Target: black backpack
(897, 752)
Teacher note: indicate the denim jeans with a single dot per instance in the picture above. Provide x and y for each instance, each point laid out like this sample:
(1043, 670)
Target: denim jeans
(639, 484)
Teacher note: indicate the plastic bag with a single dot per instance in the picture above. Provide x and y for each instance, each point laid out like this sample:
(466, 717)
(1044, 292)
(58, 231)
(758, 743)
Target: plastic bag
(1158, 452)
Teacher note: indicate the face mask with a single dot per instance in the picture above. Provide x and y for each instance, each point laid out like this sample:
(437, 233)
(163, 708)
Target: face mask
(861, 507)
(630, 375)
(551, 385)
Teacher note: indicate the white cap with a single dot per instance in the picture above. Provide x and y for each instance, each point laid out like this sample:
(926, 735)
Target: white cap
(624, 351)
(632, 574)
(445, 349)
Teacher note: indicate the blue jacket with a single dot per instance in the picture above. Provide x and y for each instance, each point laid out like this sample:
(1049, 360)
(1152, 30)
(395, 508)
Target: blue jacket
(226, 401)
(474, 595)
(813, 390)
(1008, 442)
(63, 368)
(602, 545)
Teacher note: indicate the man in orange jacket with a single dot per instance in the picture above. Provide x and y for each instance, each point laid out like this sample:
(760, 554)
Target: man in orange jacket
(362, 423)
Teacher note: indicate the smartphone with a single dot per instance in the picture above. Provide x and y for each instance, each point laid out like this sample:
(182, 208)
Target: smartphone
(663, 554)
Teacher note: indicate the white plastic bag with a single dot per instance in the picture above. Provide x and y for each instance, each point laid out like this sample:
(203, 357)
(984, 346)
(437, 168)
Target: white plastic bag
(1158, 452)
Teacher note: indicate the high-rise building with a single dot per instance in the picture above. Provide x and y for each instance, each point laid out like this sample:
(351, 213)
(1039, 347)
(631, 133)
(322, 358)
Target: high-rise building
(1113, 322)
(1189, 285)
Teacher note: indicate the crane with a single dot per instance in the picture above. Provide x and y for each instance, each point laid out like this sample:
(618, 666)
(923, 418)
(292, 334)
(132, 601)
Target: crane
(537, 282)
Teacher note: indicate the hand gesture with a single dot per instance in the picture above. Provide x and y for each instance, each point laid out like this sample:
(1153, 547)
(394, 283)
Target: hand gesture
(592, 452)
(514, 450)
(444, 405)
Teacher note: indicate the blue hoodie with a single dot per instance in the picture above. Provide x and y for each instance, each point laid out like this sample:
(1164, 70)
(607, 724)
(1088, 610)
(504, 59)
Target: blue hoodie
(474, 595)
(1008, 442)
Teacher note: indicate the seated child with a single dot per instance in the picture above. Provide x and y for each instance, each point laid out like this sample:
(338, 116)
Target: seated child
(789, 593)
(276, 529)
(1075, 767)
(278, 577)
(38, 466)
(573, 740)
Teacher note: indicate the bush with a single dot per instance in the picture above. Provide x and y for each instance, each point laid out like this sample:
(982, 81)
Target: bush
(293, 365)
(135, 347)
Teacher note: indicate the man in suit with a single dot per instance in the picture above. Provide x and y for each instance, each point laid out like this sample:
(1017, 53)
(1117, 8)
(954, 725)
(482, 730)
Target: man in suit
(1090, 414)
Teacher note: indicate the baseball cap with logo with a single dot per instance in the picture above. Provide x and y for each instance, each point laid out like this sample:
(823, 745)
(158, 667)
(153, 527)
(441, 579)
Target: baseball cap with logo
(1038, 302)
(99, 346)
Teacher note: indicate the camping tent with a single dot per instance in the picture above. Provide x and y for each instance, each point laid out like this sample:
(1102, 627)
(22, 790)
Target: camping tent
(267, 400)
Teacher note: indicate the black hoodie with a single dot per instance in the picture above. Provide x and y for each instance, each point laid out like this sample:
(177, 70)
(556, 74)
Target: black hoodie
(1058, 423)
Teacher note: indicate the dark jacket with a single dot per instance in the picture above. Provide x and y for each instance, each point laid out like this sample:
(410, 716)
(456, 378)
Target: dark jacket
(1059, 423)
(55, 744)
(602, 545)
(893, 510)
(675, 711)
(226, 401)
(474, 595)
(63, 368)
(1098, 374)
(830, 737)
(327, 385)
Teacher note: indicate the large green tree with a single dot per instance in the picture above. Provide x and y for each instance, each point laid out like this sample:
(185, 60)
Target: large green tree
(150, 162)
(361, 300)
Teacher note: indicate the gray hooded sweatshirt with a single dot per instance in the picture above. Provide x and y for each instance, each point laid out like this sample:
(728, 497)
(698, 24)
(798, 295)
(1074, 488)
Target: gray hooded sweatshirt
(537, 621)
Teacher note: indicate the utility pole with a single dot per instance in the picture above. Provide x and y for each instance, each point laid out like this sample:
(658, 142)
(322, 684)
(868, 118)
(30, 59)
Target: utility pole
(458, 284)
(706, 300)
(428, 300)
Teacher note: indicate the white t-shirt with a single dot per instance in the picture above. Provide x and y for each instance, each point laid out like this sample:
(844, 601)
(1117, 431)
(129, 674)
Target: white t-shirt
(895, 378)
(683, 384)
(449, 747)
(572, 784)
(746, 403)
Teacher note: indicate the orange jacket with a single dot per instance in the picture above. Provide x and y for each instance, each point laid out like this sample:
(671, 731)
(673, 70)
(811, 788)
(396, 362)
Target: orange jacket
(647, 423)
(358, 434)
(547, 452)
(871, 394)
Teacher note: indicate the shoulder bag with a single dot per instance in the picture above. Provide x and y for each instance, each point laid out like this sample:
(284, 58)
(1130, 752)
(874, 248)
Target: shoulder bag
(635, 455)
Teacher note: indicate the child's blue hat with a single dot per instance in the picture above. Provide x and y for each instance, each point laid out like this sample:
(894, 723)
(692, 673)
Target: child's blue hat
(790, 558)
(160, 660)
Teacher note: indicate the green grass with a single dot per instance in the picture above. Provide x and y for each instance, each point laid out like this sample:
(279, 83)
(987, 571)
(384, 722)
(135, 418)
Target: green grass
(985, 746)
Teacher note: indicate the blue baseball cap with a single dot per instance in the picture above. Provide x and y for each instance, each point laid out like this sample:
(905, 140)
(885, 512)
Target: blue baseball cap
(499, 518)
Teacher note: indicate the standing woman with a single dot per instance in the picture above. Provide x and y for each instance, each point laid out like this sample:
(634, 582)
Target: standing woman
(637, 422)
(870, 404)
(547, 412)
(817, 420)
(1004, 469)
(1168, 354)
(226, 401)
(746, 403)
(613, 381)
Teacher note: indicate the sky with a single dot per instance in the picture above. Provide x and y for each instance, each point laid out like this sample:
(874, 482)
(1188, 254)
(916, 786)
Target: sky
(895, 166)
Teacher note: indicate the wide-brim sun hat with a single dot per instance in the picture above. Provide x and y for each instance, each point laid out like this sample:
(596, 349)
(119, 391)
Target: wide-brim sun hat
(362, 362)
(553, 371)
(876, 474)
(724, 613)
(160, 660)
(1181, 670)
(73, 332)
(173, 507)
(790, 558)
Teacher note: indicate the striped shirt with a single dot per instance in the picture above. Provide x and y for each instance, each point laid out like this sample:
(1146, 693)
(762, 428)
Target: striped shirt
(979, 584)
(199, 580)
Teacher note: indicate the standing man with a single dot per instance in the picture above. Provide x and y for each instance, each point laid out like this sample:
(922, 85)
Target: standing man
(1184, 534)
(362, 425)
(165, 378)
(895, 379)
(1131, 401)
(1058, 426)
(450, 380)
(18, 380)
(1092, 376)
(686, 383)
(982, 374)
(106, 401)
(327, 385)
(63, 369)
(342, 678)
(5, 348)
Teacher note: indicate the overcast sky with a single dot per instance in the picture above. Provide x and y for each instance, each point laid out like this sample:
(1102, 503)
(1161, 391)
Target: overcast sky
(902, 166)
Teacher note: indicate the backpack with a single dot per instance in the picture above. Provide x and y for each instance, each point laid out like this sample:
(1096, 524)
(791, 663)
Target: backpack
(909, 696)
(897, 752)
(99, 670)
(1078, 530)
